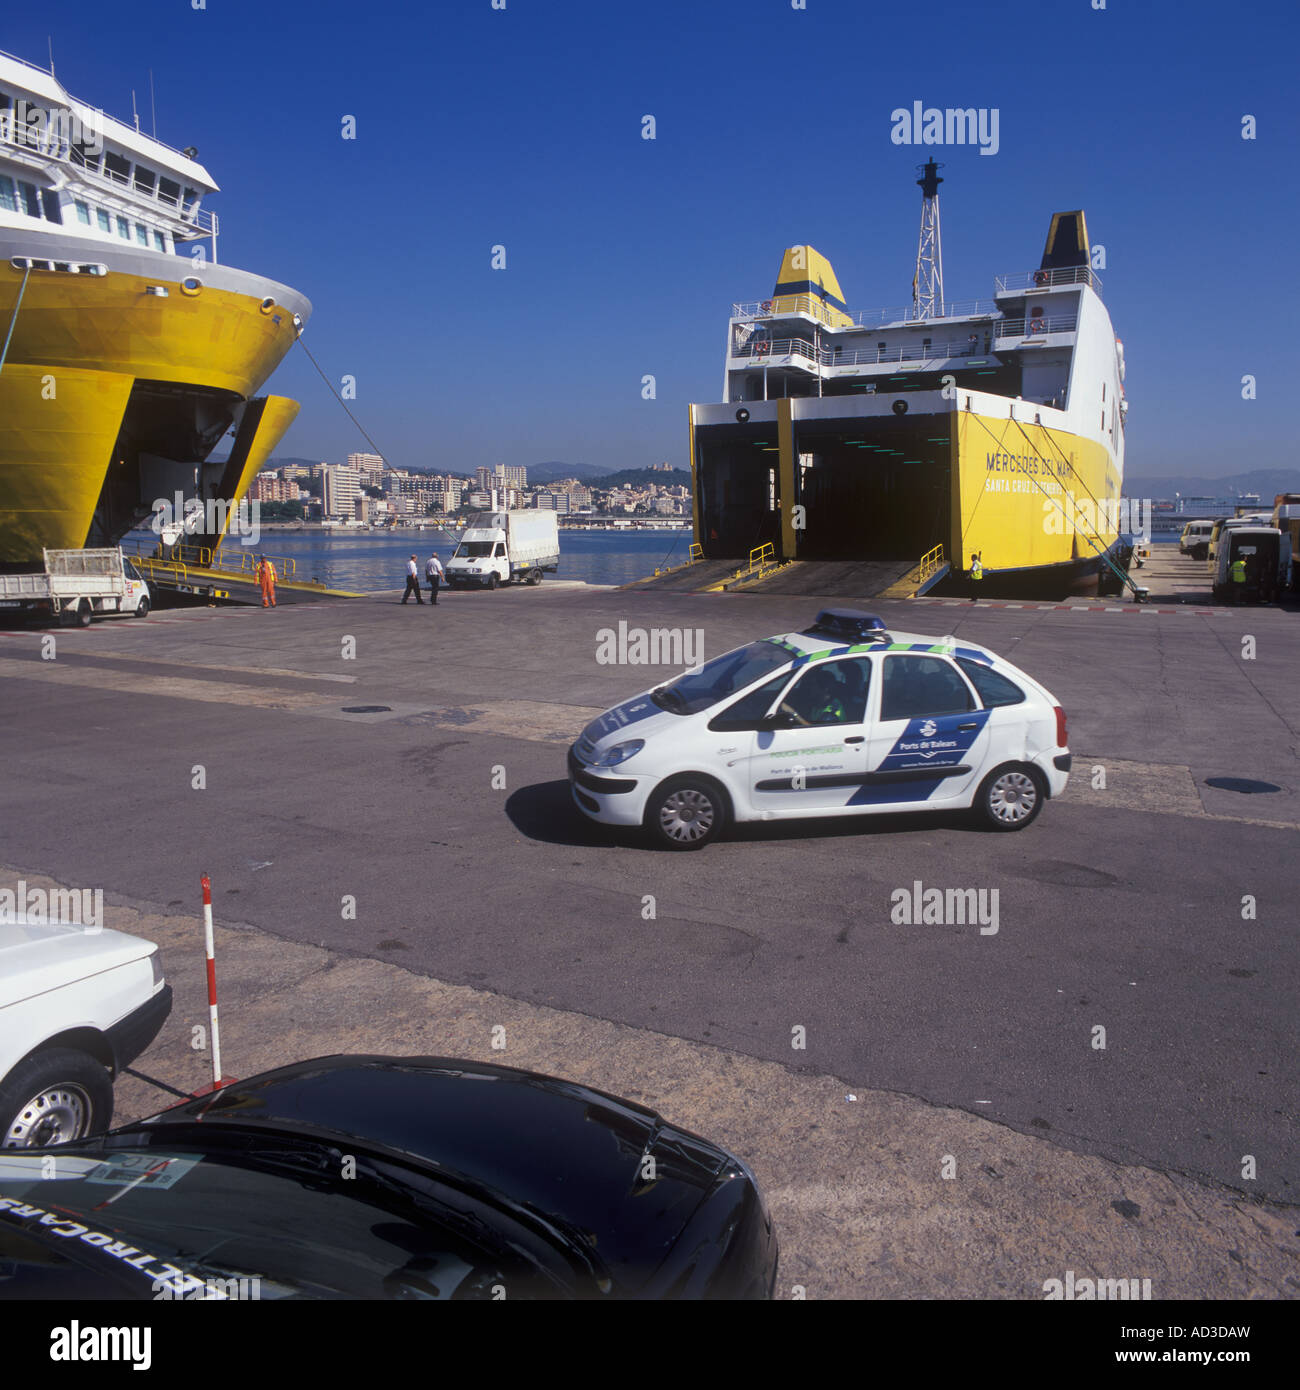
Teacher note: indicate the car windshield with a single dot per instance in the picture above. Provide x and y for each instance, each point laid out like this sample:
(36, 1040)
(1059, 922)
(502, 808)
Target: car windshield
(474, 550)
(723, 676)
(291, 1216)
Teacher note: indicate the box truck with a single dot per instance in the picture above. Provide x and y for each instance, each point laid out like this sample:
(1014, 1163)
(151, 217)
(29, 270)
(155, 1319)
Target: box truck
(497, 547)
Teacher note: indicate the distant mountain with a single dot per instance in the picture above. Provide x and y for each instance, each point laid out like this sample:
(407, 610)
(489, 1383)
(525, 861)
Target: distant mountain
(1267, 482)
(641, 477)
(553, 471)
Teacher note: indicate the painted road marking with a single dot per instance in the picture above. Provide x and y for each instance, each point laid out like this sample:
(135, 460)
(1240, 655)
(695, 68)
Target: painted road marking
(214, 666)
(175, 687)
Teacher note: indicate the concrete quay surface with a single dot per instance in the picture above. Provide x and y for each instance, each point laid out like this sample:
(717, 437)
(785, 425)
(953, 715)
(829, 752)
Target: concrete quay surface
(480, 905)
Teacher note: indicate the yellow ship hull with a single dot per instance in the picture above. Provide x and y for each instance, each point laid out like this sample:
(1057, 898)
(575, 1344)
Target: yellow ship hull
(1026, 497)
(103, 371)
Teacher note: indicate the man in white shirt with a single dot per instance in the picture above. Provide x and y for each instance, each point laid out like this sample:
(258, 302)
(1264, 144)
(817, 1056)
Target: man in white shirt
(413, 582)
(433, 576)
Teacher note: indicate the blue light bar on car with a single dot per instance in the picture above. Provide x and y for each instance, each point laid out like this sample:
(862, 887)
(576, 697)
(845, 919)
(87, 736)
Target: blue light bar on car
(850, 625)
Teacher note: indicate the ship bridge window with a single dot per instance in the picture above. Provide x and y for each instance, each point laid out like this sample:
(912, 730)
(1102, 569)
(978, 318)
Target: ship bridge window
(191, 202)
(117, 168)
(123, 228)
(159, 241)
(50, 202)
(145, 179)
(31, 202)
(83, 213)
(8, 195)
(169, 191)
(85, 153)
(142, 234)
(102, 218)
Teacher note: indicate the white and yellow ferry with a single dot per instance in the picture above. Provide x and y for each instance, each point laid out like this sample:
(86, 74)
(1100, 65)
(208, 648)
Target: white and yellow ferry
(124, 359)
(986, 435)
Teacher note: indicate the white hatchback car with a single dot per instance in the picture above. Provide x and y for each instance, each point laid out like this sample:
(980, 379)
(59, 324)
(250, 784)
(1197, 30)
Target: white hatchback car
(844, 718)
(76, 1007)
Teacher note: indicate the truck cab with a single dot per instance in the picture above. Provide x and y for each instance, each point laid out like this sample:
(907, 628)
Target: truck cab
(481, 558)
(498, 547)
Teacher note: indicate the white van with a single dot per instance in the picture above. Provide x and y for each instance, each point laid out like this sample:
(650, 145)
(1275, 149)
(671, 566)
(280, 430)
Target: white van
(1195, 540)
(843, 718)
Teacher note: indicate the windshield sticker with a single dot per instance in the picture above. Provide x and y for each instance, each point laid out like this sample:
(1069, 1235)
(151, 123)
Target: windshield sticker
(141, 1170)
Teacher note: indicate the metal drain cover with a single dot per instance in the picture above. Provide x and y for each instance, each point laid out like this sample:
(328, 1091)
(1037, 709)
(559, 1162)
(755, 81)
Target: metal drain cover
(367, 709)
(1241, 784)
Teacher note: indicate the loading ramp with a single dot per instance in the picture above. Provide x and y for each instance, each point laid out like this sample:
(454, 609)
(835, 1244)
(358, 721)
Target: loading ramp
(225, 576)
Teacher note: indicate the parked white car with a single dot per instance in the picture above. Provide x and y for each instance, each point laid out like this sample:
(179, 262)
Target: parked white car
(844, 718)
(77, 1005)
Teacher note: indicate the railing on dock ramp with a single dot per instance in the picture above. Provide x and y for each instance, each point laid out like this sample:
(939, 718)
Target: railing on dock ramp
(927, 571)
(206, 557)
(694, 556)
(762, 562)
(201, 569)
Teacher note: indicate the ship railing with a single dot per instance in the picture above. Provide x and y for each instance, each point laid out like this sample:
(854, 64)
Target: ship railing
(783, 305)
(761, 351)
(52, 144)
(204, 557)
(1036, 328)
(1046, 279)
(99, 114)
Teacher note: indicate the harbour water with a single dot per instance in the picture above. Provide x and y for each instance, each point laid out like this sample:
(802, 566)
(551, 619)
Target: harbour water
(367, 560)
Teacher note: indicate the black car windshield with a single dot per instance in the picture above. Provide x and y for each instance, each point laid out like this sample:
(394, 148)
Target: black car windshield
(288, 1220)
(723, 676)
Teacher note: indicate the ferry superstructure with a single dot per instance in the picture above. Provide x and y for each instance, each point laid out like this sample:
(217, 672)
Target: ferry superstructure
(124, 360)
(990, 428)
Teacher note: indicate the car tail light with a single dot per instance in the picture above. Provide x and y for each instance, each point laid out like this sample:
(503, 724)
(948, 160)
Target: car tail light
(1060, 728)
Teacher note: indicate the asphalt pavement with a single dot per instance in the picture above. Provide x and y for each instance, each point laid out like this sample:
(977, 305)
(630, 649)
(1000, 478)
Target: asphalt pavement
(411, 760)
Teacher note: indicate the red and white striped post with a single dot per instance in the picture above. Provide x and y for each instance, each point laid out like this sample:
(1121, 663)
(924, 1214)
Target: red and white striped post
(212, 983)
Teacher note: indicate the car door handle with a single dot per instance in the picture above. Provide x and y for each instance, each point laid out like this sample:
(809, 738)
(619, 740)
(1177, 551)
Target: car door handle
(857, 738)
(974, 724)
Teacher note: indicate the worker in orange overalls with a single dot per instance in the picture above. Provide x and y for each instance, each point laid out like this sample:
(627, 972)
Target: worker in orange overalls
(266, 577)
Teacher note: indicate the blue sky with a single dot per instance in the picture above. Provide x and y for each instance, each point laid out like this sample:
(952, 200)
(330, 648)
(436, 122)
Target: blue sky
(522, 127)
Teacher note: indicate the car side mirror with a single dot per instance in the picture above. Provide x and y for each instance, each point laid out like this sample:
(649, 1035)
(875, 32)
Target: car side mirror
(770, 722)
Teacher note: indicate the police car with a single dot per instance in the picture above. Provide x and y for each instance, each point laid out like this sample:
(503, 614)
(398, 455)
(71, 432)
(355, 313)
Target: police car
(844, 718)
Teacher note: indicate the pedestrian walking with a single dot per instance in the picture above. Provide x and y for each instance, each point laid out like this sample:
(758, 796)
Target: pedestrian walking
(433, 576)
(265, 573)
(413, 582)
(977, 565)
